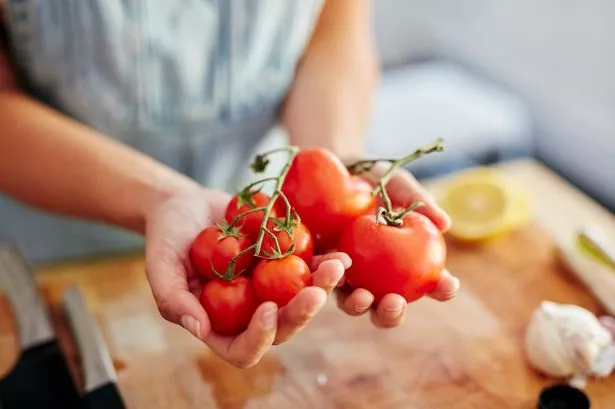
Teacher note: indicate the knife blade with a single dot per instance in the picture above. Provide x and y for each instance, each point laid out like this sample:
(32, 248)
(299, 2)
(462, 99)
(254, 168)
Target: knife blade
(100, 379)
(40, 379)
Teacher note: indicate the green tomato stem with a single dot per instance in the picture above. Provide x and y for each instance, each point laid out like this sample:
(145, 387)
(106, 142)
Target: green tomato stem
(260, 162)
(367, 165)
(292, 150)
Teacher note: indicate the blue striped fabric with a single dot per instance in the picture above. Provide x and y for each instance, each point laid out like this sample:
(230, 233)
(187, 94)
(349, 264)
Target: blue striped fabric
(193, 83)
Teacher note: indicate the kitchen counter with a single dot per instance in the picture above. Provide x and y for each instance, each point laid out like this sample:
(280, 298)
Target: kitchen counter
(463, 354)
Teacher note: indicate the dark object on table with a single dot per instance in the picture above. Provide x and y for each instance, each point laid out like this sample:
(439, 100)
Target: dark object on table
(101, 391)
(40, 379)
(563, 396)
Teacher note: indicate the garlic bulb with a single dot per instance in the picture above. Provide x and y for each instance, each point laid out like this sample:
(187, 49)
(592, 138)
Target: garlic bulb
(568, 341)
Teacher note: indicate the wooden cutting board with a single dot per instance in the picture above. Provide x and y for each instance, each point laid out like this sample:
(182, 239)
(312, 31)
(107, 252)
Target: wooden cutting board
(463, 354)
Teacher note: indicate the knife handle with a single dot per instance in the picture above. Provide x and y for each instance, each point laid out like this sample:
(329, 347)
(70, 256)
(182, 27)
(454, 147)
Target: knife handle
(95, 358)
(17, 280)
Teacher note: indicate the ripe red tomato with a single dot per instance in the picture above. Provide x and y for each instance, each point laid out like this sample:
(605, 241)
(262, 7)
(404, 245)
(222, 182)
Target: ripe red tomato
(241, 203)
(229, 304)
(211, 248)
(301, 238)
(406, 260)
(325, 195)
(281, 280)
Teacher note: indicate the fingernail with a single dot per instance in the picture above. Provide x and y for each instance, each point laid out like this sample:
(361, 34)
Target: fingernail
(270, 317)
(334, 280)
(456, 285)
(393, 312)
(191, 325)
(346, 262)
(360, 308)
(446, 219)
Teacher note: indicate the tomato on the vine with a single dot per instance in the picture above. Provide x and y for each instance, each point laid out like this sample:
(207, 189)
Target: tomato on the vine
(280, 280)
(407, 260)
(301, 238)
(326, 195)
(229, 304)
(213, 248)
(246, 201)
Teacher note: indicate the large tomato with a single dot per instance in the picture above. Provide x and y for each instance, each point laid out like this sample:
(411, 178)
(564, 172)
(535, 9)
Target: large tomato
(229, 304)
(301, 238)
(281, 280)
(406, 260)
(325, 195)
(212, 248)
(245, 201)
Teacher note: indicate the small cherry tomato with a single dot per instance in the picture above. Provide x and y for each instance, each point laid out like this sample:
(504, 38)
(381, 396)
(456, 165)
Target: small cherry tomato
(229, 304)
(213, 248)
(326, 196)
(406, 260)
(301, 238)
(245, 201)
(281, 280)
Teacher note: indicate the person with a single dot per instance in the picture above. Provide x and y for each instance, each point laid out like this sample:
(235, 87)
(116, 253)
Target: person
(137, 114)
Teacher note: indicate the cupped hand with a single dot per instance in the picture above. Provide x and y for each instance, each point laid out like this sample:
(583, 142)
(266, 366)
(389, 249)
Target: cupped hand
(404, 190)
(171, 227)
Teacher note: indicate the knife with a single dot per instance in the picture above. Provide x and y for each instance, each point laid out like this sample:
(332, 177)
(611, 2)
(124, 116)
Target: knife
(597, 244)
(40, 379)
(592, 273)
(99, 377)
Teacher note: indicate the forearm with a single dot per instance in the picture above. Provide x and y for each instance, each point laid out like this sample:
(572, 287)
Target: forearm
(342, 55)
(51, 162)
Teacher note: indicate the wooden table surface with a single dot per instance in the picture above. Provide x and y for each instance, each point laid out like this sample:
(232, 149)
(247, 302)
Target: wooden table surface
(464, 354)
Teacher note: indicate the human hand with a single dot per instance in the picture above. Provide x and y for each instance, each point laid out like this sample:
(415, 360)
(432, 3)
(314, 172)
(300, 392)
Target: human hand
(171, 227)
(404, 190)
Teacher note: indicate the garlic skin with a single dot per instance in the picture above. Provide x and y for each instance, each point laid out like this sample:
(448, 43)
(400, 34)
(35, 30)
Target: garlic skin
(564, 341)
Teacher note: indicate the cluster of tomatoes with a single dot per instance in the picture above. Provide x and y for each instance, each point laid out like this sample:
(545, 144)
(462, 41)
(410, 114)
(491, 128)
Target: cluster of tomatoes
(264, 248)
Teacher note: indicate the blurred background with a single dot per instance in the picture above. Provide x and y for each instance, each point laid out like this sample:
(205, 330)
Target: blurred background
(496, 79)
(499, 80)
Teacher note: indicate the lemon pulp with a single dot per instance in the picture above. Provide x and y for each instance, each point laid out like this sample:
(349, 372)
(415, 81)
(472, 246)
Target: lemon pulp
(483, 204)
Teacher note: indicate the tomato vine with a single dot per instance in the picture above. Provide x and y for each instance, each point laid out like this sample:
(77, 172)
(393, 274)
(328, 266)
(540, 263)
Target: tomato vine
(391, 217)
(288, 223)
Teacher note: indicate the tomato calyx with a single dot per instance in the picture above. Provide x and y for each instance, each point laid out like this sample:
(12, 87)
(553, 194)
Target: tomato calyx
(260, 163)
(393, 218)
(387, 213)
(229, 230)
(286, 224)
(246, 197)
(276, 253)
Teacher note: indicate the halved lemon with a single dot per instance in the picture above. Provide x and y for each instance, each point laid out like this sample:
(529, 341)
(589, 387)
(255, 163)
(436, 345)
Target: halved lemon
(484, 204)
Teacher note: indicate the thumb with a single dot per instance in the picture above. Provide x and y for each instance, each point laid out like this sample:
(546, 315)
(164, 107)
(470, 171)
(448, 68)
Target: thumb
(176, 303)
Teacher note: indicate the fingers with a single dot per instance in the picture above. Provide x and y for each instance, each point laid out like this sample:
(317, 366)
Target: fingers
(328, 274)
(405, 190)
(175, 302)
(342, 257)
(447, 287)
(390, 311)
(354, 302)
(299, 311)
(245, 350)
